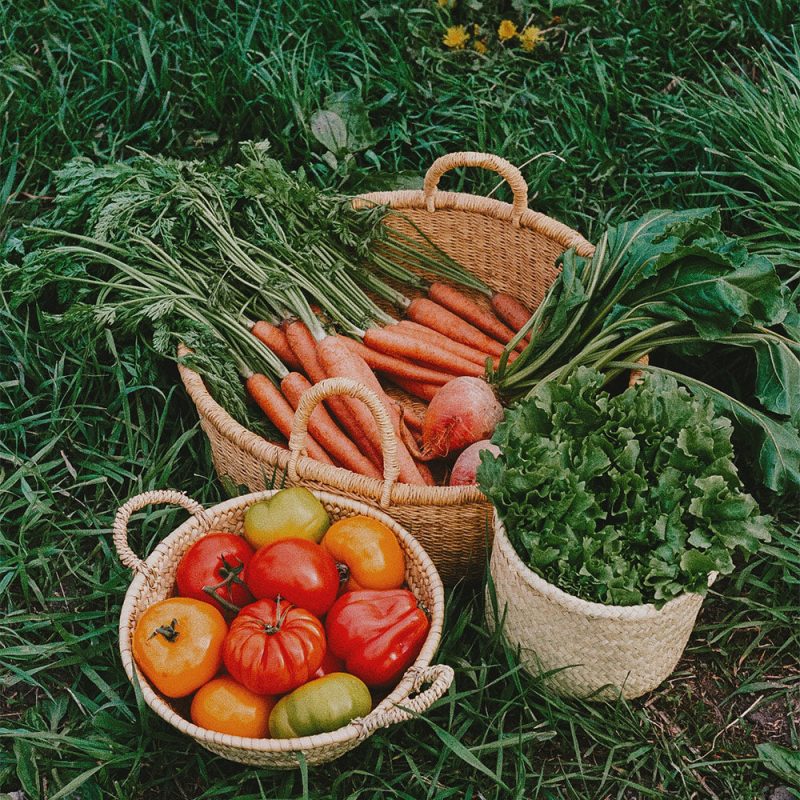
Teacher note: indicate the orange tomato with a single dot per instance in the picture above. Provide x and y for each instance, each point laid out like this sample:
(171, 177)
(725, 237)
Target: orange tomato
(369, 550)
(228, 707)
(177, 643)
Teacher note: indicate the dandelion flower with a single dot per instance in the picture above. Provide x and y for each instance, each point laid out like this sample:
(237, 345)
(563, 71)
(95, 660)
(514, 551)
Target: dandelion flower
(456, 37)
(507, 30)
(530, 37)
(476, 29)
(479, 46)
(442, 3)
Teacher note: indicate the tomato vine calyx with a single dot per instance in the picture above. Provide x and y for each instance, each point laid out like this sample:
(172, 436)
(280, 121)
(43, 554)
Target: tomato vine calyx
(169, 632)
(230, 574)
(280, 616)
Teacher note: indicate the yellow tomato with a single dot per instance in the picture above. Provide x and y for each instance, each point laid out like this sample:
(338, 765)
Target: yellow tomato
(290, 514)
(228, 707)
(177, 644)
(369, 550)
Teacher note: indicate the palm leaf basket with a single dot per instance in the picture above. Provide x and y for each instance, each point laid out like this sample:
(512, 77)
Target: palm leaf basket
(154, 580)
(511, 248)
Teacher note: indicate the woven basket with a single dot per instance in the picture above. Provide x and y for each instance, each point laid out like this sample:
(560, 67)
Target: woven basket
(510, 247)
(585, 649)
(155, 580)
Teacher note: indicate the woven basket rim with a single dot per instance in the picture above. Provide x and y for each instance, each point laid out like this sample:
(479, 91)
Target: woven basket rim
(356, 730)
(343, 479)
(551, 592)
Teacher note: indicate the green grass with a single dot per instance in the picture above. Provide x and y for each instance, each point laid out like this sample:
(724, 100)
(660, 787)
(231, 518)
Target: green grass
(603, 131)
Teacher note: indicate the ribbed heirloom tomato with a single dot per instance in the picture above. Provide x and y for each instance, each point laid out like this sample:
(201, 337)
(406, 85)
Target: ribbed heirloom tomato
(273, 647)
(212, 570)
(228, 707)
(177, 643)
(296, 570)
(378, 634)
(370, 552)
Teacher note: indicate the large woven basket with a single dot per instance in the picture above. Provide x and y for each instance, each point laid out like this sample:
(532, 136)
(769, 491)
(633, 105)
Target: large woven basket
(584, 649)
(511, 248)
(155, 580)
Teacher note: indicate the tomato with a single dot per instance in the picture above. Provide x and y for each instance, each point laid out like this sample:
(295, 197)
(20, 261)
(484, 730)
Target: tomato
(211, 568)
(322, 705)
(370, 552)
(228, 707)
(290, 514)
(296, 570)
(329, 664)
(273, 647)
(378, 634)
(177, 644)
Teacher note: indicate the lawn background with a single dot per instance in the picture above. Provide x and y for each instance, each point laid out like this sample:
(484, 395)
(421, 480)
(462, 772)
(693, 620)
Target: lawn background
(607, 119)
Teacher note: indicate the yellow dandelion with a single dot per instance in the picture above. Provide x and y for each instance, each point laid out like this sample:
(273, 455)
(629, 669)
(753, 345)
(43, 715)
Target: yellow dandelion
(456, 37)
(479, 46)
(442, 3)
(530, 37)
(507, 30)
(476, 29)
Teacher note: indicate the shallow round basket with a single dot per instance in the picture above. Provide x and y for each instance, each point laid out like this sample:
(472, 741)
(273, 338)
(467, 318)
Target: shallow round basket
(584, 649)
(154, 580)
(511, 248)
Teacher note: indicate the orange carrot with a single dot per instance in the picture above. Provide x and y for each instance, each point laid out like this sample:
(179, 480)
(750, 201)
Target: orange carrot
(432, 315)
(339, 361)
(511, 311)
(280, 413)
(304, 346)
(446, 343)
(426, 473)
(411, 418)
(325, 430)
(275, 339)
(409, 346)
(466, 308)
(396, 366)
(424, 391)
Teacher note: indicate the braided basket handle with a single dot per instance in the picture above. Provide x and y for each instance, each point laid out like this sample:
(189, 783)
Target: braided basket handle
(331, 387)
(439, 676)
(120, 529)
(487, 161)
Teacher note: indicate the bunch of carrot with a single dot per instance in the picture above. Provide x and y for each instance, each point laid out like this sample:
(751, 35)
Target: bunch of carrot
(444, 335)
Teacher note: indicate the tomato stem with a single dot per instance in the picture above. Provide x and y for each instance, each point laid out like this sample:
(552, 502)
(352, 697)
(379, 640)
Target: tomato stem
(280, 617)
(230, 574)
(169, 632)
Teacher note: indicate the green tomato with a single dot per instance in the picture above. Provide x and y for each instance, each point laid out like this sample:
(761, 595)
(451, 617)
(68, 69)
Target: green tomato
(290, 514)
(319, 706)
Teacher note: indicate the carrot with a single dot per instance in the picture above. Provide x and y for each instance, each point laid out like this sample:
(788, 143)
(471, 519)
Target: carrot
(411, 418)
(426, 473)
(304, 346)
(325, 430)
(432, 315)
(409, 346)
(339, 361)
(280, 413)
(466, 308)
(424, 391)
(446, 343)
(511, 311)
(275, 339)
(396, 366)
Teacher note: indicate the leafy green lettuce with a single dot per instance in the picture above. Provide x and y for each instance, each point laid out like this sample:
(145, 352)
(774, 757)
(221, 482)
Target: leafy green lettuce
(621, 499)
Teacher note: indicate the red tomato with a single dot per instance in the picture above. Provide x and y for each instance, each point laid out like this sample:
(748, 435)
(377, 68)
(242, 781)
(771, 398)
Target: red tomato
(273, 647)
(296, 570)
(211, 571)
(377, 633)
(329, 665)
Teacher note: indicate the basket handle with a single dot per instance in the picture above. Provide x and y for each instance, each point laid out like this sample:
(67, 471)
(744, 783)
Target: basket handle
(486, 160)
(331, 387)
(439, 676)
(120, 529)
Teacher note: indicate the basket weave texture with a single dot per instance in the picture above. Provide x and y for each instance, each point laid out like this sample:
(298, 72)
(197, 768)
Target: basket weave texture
(510, 247)
(580, 648)
(155, 581)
